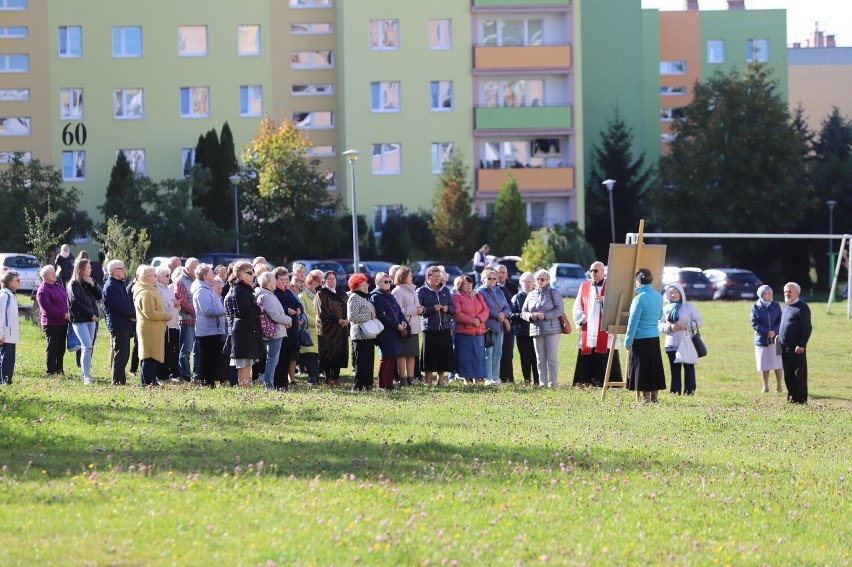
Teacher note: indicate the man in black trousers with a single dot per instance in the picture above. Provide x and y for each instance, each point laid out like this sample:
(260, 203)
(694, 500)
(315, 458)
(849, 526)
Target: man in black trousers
(793, 337)
(509, 290)
(120, 319)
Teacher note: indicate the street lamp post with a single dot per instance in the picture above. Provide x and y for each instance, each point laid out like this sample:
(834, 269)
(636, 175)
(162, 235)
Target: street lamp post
(831, 204)
(610, 183)
(235, 182)
(352, 156)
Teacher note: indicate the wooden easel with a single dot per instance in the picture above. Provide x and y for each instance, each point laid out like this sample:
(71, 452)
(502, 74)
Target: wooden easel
(620, 326)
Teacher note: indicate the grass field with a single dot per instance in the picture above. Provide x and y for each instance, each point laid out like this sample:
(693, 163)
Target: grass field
(456, 475)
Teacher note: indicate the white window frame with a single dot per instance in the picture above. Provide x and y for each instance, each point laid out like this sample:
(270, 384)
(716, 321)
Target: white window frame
(6, 157)
(313, 89)
(384, 150)
(76, 106)
(717, 45)
(674, 90)
(243, 29)
(190, 93)
(13, 5)
(249, 90)
(672, 67)
(311, 28)
(136, 157)
(384, 102)
(323, 151)
(120, 103)
(7, 59)
(436, 105)
(300, 4)
(441, 153)
(67, 47)
(313, 58)
(667, 138)
(69, 170)
(443, 34)
(500, 24)
(756, 53)
(14, 32)
(25, 122)
(14, 95)
(307, 123)
(495, 91)
(182, 51)
(377, 43)
(120, 51)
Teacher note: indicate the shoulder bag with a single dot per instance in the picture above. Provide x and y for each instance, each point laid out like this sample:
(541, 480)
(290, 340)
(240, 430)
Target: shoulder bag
(371, 329)
(268, 327)
(563, 319)
(699, 345)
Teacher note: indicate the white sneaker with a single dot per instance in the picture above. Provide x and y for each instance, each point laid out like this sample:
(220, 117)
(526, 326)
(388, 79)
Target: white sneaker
(87, 381)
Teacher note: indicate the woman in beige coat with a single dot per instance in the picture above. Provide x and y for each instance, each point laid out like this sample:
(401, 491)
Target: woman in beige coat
(151, 320)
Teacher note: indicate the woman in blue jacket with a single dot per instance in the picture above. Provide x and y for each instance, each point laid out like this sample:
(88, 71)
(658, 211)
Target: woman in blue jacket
(646, 372)
(766, 321)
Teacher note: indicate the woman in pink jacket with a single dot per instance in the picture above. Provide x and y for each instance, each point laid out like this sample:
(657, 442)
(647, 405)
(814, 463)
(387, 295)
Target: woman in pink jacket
(471, 313)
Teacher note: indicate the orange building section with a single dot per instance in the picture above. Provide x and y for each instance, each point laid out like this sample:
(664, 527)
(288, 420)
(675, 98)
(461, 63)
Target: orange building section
(523, 57)
(680, 40)
(536, 179)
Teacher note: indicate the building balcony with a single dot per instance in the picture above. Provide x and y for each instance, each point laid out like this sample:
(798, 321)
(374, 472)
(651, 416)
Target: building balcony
(530, 180)
(518, 3)
(524, 117)
(522, 57)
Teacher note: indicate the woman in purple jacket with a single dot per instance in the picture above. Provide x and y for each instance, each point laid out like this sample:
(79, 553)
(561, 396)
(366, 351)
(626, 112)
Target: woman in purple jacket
(52, 299)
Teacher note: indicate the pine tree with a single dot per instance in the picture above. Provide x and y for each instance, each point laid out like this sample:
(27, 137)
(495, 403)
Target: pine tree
(509, 230)
(121, 199)
(455, 225)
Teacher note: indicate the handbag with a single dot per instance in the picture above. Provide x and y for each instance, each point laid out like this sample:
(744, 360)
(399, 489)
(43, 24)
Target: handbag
(686, 353)
(699, 345)
(73, 343)
(405, 332)
(371, 329)
(305, 339)
(268, 327)
(489, 338)
(565, 324)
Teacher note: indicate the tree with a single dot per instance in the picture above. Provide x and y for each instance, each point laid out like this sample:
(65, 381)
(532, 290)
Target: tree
(612, 158)
(574, 248)
(119, 241)
(396, 240)
(454, 225)
(120, 199)
(38, 188)
(510, 230)
(733, 153)
(540, 250)
(286, 207)
(40, 236)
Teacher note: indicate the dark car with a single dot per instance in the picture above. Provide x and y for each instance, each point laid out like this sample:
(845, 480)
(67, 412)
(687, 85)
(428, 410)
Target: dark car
(418, 271)
(326, 266)
(732, 283)
(368, 267)
(695, 284)
(224, 258)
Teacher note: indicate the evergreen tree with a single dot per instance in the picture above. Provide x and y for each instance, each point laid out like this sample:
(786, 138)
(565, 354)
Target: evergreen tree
(121, 199)
(612, 158)
(510, 230)
(455, 225)
(396, 241)
(574, 249)
(539, 252)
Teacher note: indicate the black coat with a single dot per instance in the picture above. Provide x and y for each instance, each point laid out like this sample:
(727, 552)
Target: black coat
(243, 316)
(289, 300)
(390, 314)
(83, 300)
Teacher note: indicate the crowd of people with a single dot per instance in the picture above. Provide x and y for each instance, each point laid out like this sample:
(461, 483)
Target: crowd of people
(250, 323)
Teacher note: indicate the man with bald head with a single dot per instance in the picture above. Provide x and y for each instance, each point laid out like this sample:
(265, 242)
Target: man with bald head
(174, 264)
(793, 337)
(595, 342)
(187, 322)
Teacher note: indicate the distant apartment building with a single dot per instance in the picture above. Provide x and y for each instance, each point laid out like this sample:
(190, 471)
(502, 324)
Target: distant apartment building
(820, 78)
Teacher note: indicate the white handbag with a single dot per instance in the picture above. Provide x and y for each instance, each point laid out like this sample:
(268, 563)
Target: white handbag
(686, 353)
(371, 329)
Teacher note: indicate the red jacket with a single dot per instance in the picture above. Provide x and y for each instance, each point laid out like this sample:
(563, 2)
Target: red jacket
(468, 307)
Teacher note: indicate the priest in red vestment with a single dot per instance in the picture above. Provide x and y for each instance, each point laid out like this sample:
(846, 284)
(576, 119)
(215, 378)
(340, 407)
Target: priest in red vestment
(595, 342)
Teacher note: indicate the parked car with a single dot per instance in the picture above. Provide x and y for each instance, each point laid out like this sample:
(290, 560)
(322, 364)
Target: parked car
(732, 283)
(26, 265)
(567, 278)
(158, 261)
(511, 263)
(224, 258)
(418, 271)
(326, 266)
(695, 284)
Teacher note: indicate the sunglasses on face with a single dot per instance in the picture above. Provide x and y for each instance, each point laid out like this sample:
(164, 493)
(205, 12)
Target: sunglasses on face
(388, 282)
(490, 279)
(595, 271)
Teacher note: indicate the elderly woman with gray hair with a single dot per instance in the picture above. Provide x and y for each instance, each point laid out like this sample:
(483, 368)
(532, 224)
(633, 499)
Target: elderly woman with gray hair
(766, 322)
(209, 325)
(521, 329)
(271, 307)
(52, 300)
(151, 317)
(542, 309)
(169, 369)
(10, 331)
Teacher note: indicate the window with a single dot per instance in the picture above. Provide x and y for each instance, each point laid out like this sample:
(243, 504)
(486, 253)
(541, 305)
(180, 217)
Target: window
(330, 180)
(440, 34)
(384, 96)
(187, 160)
(323, 151)
(192, 41)
(74, 165)
(310, 3)
(441, 95)
(70, 41)
(387, 159)
(667, 138)
(669, 114)
(716, 51)
(441, 152)
(674, 91)
(383, 213)
(319, 28)
(14, 63)
(248, 40)
(757, 50)
(127, 42)
(313, 89)
(71, 104)
(384, 35)
(7, 157)
(538, 153)
(311, 60)
(251, 100)
(127, 104)
(536, 213)
(514, 93)
(672, 67)
(512, 32)
(136, 159)
(13, 33)
(14, 95)
(313, 120)
(13, 4)
(15, 126)
(195, 102)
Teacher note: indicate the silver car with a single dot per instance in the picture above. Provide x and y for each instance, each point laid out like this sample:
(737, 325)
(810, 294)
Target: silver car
(567, 278)
(25, 265)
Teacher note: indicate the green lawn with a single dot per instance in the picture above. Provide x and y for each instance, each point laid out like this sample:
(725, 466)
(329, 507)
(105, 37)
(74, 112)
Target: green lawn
(474, 475)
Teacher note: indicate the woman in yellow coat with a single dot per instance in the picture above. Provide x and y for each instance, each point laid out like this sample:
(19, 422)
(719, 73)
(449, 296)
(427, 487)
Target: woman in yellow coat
(151, 319)
(309, 355)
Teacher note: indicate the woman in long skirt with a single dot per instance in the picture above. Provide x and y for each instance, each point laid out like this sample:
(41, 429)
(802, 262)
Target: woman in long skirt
(646, 373)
